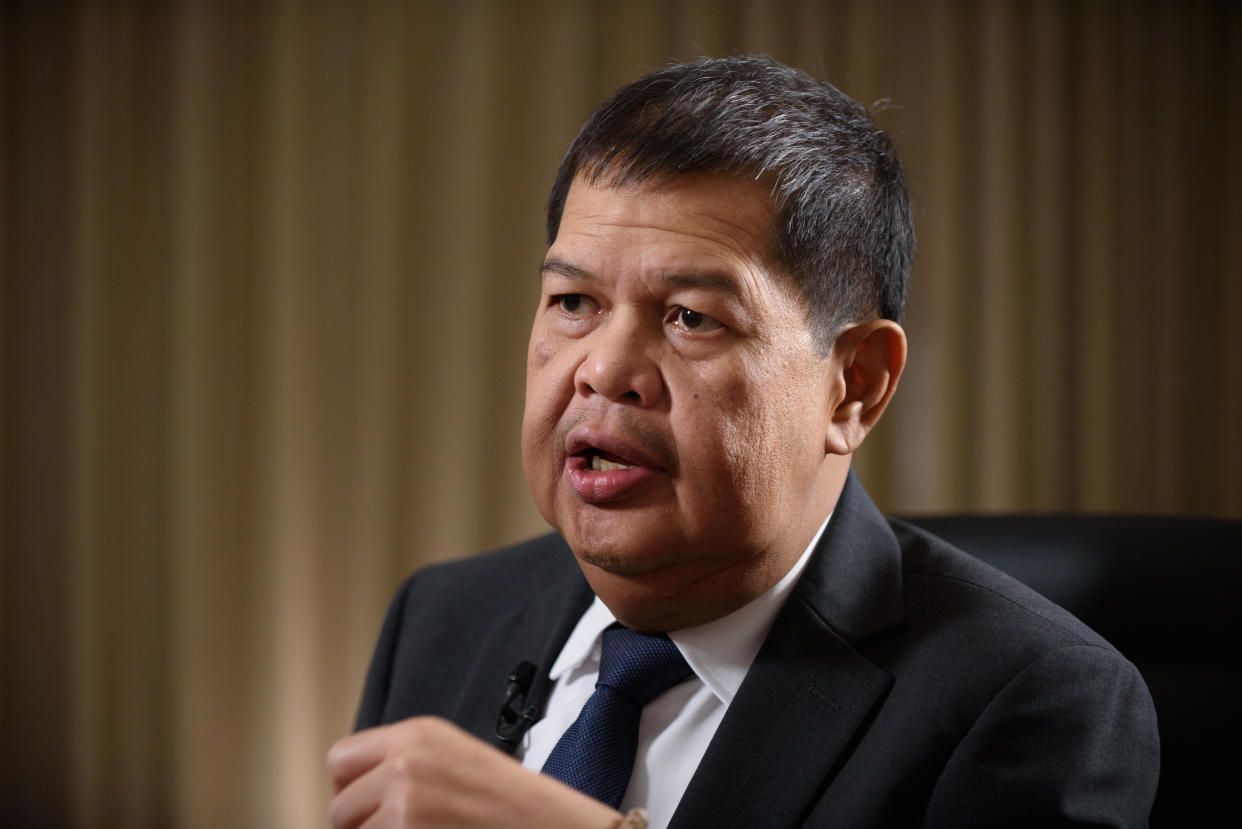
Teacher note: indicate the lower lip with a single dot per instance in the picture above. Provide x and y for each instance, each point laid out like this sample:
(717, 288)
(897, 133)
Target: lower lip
(604, 486)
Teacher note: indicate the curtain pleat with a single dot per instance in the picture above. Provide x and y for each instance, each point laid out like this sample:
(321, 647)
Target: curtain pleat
(268, 270)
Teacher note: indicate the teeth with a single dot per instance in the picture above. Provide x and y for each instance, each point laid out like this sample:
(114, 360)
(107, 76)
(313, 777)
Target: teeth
(598, 464)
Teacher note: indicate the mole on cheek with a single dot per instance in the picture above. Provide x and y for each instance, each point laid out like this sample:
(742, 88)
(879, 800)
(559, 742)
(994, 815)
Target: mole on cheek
(541, 353)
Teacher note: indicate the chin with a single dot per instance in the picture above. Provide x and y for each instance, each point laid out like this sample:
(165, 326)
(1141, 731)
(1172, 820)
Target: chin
(619, 540)
(620, 554)
(617, 563)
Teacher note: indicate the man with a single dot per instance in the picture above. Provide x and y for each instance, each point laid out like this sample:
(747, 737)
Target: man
(729, 250)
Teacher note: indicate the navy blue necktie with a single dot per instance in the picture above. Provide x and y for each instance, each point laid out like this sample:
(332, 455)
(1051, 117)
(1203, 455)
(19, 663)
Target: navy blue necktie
(595, 755)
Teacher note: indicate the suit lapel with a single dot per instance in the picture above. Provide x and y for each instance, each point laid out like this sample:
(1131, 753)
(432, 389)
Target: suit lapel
(809, 693)
(557, 595)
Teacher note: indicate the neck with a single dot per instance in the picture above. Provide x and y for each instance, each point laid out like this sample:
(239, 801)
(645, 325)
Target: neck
(690, 595)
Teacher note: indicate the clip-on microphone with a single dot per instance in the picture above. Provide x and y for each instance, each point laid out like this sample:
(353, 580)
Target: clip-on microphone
(510, 724)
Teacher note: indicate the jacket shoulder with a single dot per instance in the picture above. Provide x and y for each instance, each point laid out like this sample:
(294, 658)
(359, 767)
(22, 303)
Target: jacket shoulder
(1007, 707)
(455, 628)
(942, 579)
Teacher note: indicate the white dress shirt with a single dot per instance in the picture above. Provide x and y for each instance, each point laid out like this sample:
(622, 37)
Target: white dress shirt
(676, 726)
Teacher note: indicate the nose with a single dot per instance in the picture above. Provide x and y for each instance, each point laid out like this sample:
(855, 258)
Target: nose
(618, 364)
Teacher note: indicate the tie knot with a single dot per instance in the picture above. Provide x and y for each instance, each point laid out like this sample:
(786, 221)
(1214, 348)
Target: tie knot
(639, 665)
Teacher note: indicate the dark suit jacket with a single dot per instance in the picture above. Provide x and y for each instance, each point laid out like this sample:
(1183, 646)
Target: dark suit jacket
(904, 683)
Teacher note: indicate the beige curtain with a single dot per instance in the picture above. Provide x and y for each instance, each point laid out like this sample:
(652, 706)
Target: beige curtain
(268, 269)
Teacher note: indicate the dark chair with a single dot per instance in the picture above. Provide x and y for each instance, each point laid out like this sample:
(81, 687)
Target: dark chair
(1164, 590)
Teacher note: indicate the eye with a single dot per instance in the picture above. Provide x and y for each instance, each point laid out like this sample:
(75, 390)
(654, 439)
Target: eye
(693, 321)
(574, 304)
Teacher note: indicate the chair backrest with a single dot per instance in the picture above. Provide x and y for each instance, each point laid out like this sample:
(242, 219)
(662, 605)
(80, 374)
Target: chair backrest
(1165, 591)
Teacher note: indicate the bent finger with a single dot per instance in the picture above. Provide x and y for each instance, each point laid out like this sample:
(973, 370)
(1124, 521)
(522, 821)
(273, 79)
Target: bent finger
(352, 756)
(358, 801)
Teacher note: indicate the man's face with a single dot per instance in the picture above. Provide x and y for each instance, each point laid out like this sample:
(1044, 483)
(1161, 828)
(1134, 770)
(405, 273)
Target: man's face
(676, 406)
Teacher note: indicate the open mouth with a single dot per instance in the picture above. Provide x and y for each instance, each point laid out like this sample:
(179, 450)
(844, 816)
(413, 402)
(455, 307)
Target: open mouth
(600, 461)
(602, 469)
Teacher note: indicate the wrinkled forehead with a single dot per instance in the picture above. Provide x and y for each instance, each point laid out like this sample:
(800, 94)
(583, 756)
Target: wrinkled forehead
(732, 213)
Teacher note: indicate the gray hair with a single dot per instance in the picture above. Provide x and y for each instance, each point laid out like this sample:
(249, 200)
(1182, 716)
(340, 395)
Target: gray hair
(844, 230)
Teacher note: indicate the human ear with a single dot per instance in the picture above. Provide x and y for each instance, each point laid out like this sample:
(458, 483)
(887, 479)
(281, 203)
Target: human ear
(867, 362)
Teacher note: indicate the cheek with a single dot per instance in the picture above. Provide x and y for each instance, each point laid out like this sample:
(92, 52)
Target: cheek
(766, 435)
(736, 445)
(541, 351)
(538, 455)
(549, 388)
(541, 380)
(548, 392)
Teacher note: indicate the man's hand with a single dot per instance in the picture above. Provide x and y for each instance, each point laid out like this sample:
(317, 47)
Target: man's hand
(426, 772)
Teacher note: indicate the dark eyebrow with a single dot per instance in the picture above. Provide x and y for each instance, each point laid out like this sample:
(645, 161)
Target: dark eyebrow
(559, 266)
(706, 281)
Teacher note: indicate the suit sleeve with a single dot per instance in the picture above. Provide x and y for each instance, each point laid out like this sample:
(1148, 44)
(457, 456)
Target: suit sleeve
(379, 675)
(1071, 740)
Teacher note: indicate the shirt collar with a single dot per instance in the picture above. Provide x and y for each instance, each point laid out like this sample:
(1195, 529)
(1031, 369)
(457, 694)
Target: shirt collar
(719, 652)
(584, 643)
